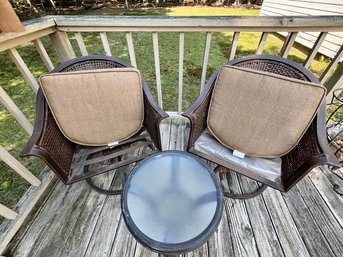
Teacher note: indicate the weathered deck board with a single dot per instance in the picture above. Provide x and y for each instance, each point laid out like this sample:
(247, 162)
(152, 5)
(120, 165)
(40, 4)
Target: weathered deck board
(288, 234)
(333, 200)
(244, 243)
(124, 244)
(263, 229)
(104, 233)
(309, 230)
(77, 221)
(322, 215)
(69, 211)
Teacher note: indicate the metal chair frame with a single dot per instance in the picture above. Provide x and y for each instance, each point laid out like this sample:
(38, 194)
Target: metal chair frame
(312, 150)
(72, 162)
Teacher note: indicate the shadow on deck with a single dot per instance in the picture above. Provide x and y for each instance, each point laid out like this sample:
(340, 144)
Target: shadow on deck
(77, 221)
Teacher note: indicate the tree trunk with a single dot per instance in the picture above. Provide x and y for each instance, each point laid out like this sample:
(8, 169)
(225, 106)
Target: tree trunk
(237, 2)
(52, 4)
(42, 4)
(31, 6)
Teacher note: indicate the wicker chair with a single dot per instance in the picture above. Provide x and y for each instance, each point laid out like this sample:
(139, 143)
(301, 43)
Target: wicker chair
(311, 151)
(72, 162)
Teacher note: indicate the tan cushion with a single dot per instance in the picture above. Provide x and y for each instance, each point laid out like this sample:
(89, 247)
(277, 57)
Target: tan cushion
(261, 114)
(96, 107)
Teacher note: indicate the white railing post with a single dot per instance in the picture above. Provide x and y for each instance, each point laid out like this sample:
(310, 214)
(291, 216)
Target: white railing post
(315, 49)
(7, 212)
(19, 62)
(131, 49)
(24, 207)
(157, 68)
(15, 111)
(335, 82)
(18, 167)
(332, 65)
(289, 41)
(205, 61)
(181, 56)
(62, 45)
(43, 54)
(81, 44)
(234, 45)
(105, 43)
(262, 42)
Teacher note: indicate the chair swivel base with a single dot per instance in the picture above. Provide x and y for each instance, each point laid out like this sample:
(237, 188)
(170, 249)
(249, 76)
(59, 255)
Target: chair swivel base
(239, 196)
(108, 192)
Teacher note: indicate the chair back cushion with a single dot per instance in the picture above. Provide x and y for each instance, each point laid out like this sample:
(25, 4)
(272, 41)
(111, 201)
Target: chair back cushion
(261, 114)
(96, 107)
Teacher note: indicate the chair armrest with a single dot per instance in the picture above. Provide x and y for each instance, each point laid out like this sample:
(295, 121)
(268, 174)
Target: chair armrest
(48, 143)
(197, 113)
(153, 115)
(312, 151)
(323, 138)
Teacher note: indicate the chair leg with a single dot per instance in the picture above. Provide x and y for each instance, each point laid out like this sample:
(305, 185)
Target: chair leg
(240, 196)
(108, 192)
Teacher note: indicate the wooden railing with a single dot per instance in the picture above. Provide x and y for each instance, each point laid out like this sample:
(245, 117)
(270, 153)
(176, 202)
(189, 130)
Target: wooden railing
(60, 28)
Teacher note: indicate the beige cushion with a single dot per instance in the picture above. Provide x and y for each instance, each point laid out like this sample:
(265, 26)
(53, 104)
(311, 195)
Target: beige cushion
(96, 107)
(261, 114)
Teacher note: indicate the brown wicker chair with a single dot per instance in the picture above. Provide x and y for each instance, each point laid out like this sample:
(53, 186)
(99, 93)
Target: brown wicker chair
(311, 151)
(72, 162)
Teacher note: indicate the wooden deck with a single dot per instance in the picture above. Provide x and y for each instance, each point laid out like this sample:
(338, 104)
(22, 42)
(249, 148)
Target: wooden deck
(77, 221)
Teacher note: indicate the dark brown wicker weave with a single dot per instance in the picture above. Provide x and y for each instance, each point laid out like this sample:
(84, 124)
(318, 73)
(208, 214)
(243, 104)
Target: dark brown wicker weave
(312, 150)
(69, 160)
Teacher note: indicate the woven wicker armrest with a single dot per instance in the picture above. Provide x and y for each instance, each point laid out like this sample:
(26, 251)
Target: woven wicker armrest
(197, 113)
(310, 152)
(153, 115)
(48, 143)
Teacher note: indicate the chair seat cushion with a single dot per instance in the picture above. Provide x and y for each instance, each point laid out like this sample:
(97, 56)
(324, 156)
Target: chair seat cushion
(267, 168)
(96, 107)
(259, 113)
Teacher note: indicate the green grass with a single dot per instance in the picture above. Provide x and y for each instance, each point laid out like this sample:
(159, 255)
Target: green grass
(14, 138)
(177, 11)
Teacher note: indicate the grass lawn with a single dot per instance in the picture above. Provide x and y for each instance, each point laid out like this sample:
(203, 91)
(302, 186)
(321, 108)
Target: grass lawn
(13, 138)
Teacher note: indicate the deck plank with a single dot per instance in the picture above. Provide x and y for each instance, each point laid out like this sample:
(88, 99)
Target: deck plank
(77, 221)
(220, 244)
(68, 213)
(329, 226)
(287, 232)
(105, 230)
(331, 198)
(142, 251)
(309, 230)
(244, 243)
(165, 130)
(263, 229)
(202, 251)
(76, 233)
(124, 244)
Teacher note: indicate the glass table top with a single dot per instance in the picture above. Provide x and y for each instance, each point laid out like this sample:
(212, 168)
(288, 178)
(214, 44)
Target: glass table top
(171, 197)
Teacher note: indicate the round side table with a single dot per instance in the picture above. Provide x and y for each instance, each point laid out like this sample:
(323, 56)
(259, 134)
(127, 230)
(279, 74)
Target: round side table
(172, 202)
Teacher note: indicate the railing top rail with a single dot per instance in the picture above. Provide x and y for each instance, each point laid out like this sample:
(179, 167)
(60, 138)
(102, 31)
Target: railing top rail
(203, 23)
(178, 24)
(31, 26)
